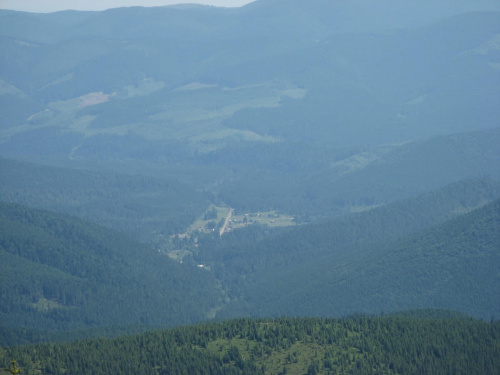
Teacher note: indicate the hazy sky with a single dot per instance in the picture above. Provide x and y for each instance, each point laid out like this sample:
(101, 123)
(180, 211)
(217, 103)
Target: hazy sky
(57, 5)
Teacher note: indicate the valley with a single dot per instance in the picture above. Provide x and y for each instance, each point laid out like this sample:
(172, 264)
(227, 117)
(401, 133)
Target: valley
(288, 187)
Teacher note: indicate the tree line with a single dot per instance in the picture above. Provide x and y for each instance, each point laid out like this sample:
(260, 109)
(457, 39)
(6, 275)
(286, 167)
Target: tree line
(359, 344)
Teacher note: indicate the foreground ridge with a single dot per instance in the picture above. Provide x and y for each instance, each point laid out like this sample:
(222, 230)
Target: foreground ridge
(361, 345)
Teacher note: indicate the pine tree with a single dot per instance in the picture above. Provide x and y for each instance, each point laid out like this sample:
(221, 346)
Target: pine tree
(14, 369)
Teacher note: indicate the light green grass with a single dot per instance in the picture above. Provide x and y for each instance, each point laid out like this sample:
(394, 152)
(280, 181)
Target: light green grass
(195, 115)
(201, 223)
(144, 87)
(178, 255)
(45, 304)
(270, 218)
(296, 358)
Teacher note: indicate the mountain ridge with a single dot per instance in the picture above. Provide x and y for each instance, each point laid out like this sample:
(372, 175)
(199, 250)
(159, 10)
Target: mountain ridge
(287, 345)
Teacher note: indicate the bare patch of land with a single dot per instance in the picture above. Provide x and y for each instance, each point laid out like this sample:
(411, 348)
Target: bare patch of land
(226, 222)
(93, 98)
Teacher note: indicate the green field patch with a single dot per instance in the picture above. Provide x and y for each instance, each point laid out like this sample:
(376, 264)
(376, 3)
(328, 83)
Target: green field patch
(44, 304)
(287, 355)
(8, 89)
(356, 209)
(209, 220)
(145, 87)
(270, 218)
(178, 255)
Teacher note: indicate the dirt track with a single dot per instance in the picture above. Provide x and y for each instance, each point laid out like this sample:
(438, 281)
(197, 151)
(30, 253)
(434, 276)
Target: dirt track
(226, 222)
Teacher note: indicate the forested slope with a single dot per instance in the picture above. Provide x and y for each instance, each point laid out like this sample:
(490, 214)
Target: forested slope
(325, 182)
(138, 205)
(246, 256)
(60, 273)
(454, 265)
(411, 169)
(275, 76)
(362, 345)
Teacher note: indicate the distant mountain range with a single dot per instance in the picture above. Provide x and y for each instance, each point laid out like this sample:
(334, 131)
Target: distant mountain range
(87, 84)
(308, 90)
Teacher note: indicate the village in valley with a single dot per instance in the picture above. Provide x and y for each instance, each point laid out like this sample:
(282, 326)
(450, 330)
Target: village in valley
(221, 220)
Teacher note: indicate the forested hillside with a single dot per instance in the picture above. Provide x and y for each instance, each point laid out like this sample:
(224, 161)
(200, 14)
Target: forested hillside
(249, 257)
(453, 265)
(332, 181)
(148, 204)
(362, 345)
(59, 273)
(141, 206)
(267, 108)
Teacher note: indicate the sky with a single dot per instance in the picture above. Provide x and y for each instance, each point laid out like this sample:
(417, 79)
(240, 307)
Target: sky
(45, 6)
